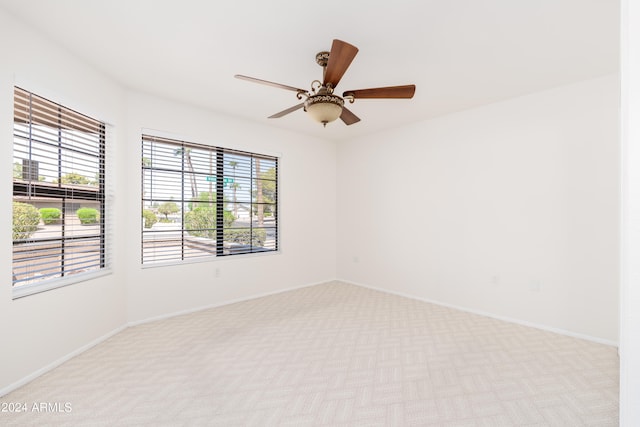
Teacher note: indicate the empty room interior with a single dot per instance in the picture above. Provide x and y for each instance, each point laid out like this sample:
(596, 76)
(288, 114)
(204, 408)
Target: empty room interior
(205, 233)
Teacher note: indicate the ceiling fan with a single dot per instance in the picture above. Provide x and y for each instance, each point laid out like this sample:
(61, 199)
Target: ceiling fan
(320, 102)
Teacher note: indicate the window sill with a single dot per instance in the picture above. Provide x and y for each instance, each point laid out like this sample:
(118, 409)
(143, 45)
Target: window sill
(210, 259)
(26, 290)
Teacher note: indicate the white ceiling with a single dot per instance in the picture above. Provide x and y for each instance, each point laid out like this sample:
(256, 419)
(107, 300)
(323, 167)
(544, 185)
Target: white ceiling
(459, 53)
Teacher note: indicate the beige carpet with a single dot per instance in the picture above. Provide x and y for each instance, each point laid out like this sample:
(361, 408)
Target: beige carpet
(331, 355)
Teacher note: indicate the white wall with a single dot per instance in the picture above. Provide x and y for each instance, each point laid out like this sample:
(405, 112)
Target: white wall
(510, 209)
(40, 330)
(630, 283)
(307, 170)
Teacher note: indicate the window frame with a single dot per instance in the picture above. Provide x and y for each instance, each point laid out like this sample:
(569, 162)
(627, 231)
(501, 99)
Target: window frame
(218, 166)
(34, 116)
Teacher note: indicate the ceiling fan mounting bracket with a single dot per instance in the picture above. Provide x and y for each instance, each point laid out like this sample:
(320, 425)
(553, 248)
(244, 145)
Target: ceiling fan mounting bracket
(322, 58)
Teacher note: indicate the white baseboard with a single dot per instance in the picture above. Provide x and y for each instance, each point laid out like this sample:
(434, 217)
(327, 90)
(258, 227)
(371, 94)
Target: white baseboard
(487, 314)
(233, 301)
(58, 362)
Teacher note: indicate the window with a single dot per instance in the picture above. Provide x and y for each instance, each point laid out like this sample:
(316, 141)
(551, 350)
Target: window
(203, 201)
(58, 194)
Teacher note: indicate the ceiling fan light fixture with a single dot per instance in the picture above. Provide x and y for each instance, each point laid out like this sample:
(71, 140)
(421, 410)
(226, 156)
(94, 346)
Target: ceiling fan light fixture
(324, 108)
(320, 102)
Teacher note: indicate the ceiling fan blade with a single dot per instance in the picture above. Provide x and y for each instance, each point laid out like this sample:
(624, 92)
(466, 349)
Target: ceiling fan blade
(348, 117)
(340, 57)
(404, 92)
(287, 111)
(268, 83)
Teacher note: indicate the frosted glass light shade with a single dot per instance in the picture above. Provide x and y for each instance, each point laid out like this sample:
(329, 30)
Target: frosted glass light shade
(324, 108)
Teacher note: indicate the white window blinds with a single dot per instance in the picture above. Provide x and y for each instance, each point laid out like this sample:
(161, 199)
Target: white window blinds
(204, 201)
(58, 192)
